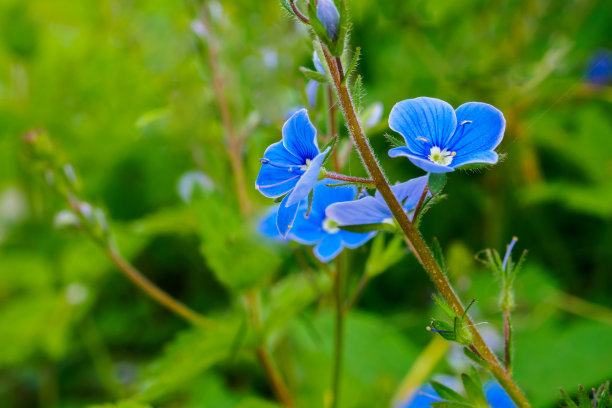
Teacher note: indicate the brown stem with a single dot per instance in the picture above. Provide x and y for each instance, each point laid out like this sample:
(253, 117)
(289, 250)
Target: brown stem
(417, 209)
(298, 13)
(349, 179)
(234, 141)
(413, 236)
(280, 389)
(156, 293)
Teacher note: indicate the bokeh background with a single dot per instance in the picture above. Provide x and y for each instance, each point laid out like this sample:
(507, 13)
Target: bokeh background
(124, 90)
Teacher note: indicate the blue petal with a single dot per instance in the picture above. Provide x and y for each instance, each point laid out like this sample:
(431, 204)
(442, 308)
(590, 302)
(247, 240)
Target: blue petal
(422, 398)
(353, 239)
(300, 136)
(497, 396)
(419, 161)
(324, 196)
(275, 181)
(267, 226)
(308, 179)
(328, 248)
(312, 88)
(317, 63)
(286, 216)
(307, 231)
(488, 156)
(409, 193)
(329, 16)
(428, 118)
(480, 127)
(367, 210)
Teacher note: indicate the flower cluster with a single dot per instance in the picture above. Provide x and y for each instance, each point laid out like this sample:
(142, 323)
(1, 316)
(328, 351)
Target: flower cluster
(438, 139)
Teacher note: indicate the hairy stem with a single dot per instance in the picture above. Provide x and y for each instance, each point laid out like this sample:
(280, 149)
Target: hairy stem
(339, 330)
(414, 238)
(331, 124)
(234, 142)
(349, 179)
(507, 341)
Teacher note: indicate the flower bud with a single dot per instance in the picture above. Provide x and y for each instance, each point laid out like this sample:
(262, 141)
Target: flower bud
(329, 16)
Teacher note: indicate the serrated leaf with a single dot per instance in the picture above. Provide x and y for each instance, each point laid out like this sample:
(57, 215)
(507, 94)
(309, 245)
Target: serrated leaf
(448, 393)
(314, 75)
(363, 228)
(357, 93)
(474, 391)
(353, 65)
(395, 141)
(436, 182)
(287, 6)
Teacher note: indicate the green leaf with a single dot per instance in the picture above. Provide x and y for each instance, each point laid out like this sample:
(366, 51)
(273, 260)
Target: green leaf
(395, 141)
(442, 304)
(363, 228)
(567, 399)
(343, 29)
(439, 254)
(447, 393)
(332, 143)
(583, 398)
(287, 6)
(474, 357)
(279, 199)
(357, 93)
(436, 182)
(383, 257)
(314, 75)
(353, 65)
(474, 391)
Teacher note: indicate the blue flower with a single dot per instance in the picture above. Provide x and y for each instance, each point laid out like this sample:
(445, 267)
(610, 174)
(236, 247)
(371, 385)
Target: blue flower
(496, 397)
(317, 229)
(291, 167)
(328, 14)
(599, 71)
(374, 210)
(440, 139)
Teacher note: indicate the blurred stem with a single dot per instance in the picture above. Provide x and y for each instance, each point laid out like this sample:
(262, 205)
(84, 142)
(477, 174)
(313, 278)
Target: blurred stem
(363, 281)
(414, 238)
(339, 283)
(583, 308)
(234, 142)
(507, 341)
(276, 382)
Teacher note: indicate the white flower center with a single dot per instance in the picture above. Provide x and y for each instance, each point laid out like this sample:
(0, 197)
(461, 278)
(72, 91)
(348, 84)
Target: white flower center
(330, 226)
(389, 221)
(443, 157)
(305, 166)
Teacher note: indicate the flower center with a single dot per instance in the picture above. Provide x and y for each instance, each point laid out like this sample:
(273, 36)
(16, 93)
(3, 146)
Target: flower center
(330, 226)
(443, 157)
(305, 166)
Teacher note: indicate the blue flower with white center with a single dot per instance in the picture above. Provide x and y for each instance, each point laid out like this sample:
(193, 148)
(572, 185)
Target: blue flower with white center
(291, 167)
(440, 139)
(374, 210)
(599, 71)
(318, 229)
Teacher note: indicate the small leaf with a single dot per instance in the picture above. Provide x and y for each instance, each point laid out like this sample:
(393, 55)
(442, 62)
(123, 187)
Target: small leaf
(287, 6)
(436, 182)
(395, 141)
(583, 398)
(443, 329)
(353, 65)
(447, 393)
(474, 391)
(363, 228)
(343, 28)
(279, 199)
(314, 75)
(475, 358)
(332, 145)
(442, 304)
(357, 93)
(439, 255)
(568, 400)
(318, 27)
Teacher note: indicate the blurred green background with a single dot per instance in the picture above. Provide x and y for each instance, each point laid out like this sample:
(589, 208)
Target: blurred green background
(124, 90)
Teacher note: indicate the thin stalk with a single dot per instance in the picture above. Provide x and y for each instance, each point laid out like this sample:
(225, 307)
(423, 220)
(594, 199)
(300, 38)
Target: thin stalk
(349, 179)
(234, 142)
(363, 281)
(507, 341)
(331, 124)
(417, 209)
(414, 238)
(339, 330)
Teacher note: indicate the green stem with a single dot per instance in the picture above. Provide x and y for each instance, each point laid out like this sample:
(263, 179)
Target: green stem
(415, 240)
(507, 341)
(339, 330)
